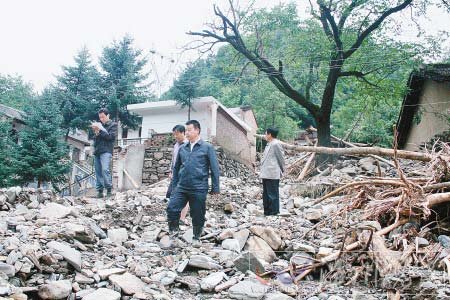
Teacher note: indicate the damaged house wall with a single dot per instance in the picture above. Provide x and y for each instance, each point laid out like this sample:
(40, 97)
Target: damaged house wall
(426, 108)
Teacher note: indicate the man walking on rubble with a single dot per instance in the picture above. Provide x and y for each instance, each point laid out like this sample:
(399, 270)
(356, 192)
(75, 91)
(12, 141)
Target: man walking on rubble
(190, 181)
(178, 133)
(272, 168)
(104, 139)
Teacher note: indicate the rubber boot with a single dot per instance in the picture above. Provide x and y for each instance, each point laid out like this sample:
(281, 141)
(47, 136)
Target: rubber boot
(174, 227)
(197, 230)
(99, 194)
(108, 193)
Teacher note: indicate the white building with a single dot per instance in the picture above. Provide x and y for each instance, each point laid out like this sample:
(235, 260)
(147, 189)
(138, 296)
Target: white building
(221, 125)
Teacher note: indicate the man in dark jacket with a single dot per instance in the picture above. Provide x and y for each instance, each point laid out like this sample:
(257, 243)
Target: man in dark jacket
(104, 139)
(190, 180)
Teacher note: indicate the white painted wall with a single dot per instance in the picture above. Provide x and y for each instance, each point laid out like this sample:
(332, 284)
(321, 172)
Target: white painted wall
(163, 120)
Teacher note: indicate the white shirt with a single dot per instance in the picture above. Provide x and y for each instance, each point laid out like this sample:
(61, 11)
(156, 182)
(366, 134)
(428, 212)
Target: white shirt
(193, 144)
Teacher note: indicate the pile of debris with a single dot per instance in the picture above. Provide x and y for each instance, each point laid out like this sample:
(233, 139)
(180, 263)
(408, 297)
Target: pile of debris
(357, 236)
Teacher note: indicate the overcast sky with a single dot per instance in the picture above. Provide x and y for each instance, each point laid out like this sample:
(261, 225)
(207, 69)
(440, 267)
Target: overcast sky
(38, 36)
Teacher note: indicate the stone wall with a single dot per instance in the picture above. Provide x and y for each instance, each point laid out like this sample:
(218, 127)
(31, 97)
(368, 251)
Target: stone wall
(157, 165)
(232, 168)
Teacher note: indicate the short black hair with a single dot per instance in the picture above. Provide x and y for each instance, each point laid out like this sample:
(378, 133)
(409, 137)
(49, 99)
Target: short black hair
(179, 128)
(103, 111)
(195, 123)
(272, 131)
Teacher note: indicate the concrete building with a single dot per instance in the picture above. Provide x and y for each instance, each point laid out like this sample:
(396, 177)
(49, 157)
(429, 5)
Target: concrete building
(425, 113)
(232, 129)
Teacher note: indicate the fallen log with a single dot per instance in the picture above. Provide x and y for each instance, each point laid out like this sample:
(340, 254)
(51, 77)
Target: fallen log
(306, 167)
(371, 155)
(360, 151)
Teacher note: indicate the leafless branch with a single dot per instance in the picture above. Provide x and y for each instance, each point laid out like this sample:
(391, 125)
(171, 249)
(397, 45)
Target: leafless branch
(374, 26)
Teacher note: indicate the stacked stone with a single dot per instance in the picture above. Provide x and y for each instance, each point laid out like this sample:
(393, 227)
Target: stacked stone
(232, 168)
(156, 164)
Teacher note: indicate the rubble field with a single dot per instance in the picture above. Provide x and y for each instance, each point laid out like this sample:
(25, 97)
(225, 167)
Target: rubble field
(354, 229)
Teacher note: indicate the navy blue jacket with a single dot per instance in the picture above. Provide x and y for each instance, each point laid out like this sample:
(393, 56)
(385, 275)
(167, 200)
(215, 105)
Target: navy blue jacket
(191, 170)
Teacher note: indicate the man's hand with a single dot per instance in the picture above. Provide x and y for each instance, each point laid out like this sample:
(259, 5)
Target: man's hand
(95, 128)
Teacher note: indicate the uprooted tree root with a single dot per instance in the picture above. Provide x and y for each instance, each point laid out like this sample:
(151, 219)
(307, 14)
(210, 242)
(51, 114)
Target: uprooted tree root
(392, 202)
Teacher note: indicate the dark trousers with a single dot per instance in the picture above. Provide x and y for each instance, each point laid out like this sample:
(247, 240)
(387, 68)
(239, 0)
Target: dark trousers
(197, 203)
(169, 190)
(271, 196)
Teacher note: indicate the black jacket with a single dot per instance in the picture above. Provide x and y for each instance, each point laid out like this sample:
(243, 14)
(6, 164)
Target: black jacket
(191, 169)
(104, 141)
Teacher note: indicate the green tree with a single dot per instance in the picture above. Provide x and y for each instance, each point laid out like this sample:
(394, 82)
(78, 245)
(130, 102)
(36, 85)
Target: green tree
(124, 79)
(15, 92)
(8, 155)
(43, 152)
(320, 52)
(184, 89)
(79, 92)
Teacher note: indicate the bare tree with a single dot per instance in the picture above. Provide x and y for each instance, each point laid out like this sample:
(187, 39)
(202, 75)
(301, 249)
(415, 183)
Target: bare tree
(333, 16)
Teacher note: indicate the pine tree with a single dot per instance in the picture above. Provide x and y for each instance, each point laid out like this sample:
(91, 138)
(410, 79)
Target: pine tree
(8, 155)
(124, 79)
(79, 93)
(185, 88)
(43, 152)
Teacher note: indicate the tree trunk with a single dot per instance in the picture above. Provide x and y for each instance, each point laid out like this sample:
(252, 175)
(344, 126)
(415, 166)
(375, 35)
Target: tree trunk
(324, 132)
(323, 138)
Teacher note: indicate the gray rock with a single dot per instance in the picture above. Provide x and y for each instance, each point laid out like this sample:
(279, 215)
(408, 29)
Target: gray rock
(9, 270)
(260, 249)
(82, 279)
(203, 262)
(334, 297)
(105, 273)
(313, 214)
(226, 234)
(72, 256)
(248, 261)
(269, 235)
(231, 244)
(166, 242)
(248, 290)
(128, 283)
(12, 193)
(188, 236)
(54, 211)
(165, 277)
(150, 235)
(242, 237)
(278, 296)
(102, 294)
(303, 247)
(118, 236)
(211, 281)
(55, 290)
(97, 230)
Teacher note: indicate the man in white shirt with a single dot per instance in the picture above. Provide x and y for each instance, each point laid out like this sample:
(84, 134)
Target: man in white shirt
(178, 133)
